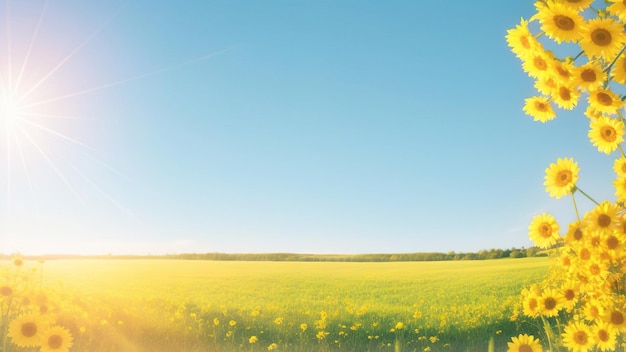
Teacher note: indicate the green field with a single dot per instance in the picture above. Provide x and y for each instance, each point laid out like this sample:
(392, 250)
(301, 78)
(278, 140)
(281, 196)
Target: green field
(175, 305)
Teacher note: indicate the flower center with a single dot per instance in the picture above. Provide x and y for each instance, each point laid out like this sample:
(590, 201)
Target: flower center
(540, 106)
(6, 291)
(524, 41)
(580, 337)
(540, 63)
(608, 133)
(594, 269)
(601, 37)
(604, 99)
(617, 318)
(55, 341)
(532, 303)
(604, 220)
(570, 294)
(563, 22)
(545, 231)
(585, 254)
(564, 93)
(603, 335)
(29, 329)
(525, 348)
(563, 178)
(578, 234)
(588, 75)
(549, 303)
(612, 242)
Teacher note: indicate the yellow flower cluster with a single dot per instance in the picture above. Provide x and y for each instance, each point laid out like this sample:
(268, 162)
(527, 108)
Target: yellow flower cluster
(582, 303)
(30, 319)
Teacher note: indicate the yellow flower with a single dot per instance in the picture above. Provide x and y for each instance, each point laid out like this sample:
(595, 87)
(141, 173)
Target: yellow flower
(399, 325)
(618, 9)
(589, 76)
(561, 177)
(578, 5)
(602, 37)
(253, 339)
(604, 100)
(278, 321)
(530, 302)
(616, 319)
(544, 230)
(232, 323)
(539, 108)
(25, 330)
(560, 22)
(566, 97)
(303, 327)
(551, 301)
(273, 346)
(603, 218)
(56, 339)
(620, 188)
(605, 336)
(575, 233)
(524, 343)
(521, 41)
(619, 70)
(216, 321)
(569, 291)
(606, 134)
(537, 64)
(578, 337)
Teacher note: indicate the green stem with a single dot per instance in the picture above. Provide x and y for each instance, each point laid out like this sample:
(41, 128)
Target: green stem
(575, 207)
(608, 68)
(586, 195)
(577, 56)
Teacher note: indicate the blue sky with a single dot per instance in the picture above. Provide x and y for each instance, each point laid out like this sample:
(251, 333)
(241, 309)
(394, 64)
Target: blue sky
(308, 127)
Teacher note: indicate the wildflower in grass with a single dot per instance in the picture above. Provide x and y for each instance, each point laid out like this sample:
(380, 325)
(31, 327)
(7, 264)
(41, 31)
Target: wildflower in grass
(551, 301)
(321, 335)
(588, 76)
(17, 259)
(272, 347)
(399, 325)
(605, 336)
(561, 177)
(278, 321)
(56, 339)
(603, 218)
(544, 230)
(216, 322)
(303, 327)
(602, 37)
(253, 339)
(616, 319)
(524, 343)
(25, 330)
(560, 22)
(578, 337)
(539, 108)
(604, 100)
(606, 134)
(521, 40)
(232, 323)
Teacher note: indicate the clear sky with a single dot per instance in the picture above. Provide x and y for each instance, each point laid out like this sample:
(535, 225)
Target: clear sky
(274, 126)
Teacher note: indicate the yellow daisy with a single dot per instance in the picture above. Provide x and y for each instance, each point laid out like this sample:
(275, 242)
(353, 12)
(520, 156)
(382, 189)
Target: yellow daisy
(588, 76)
(619, 70)
(25, 330)
(561, 177)
(604, 100)
(606, 134)
(593, 310)
(603, 218)
(521, 40)
(602, 37)
(524, 343)
(620, 188)
(592, 113)
(561, 23)
(545, 85)
(530, 301)
(605, 336)
(537, 64)
(616, 319)
(566, 97)
(578, 5)
(544, 230)
(578, 337)
(575, 233)
(569, 290)
(56, 339)
(551, 301)
(539, 108)
(618, 9)
(564, 71)
(619, 166)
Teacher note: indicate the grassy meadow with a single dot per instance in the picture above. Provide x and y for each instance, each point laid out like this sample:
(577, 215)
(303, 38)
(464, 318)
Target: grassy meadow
(176, 305)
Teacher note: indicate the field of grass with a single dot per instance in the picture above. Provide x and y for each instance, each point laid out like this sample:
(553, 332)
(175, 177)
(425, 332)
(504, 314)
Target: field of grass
(175, 305)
